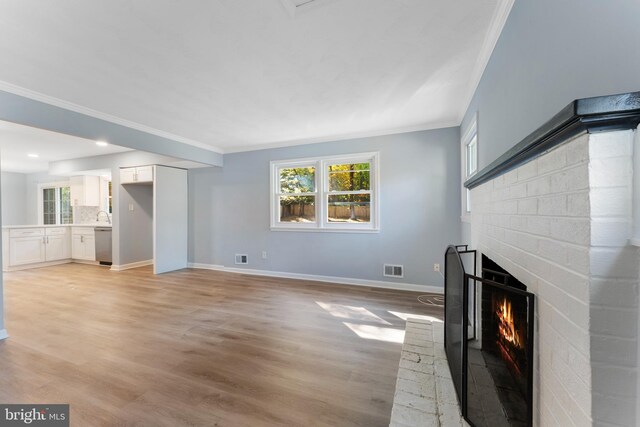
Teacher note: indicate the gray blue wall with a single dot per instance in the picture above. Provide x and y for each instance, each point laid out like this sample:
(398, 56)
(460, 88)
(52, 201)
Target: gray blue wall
(132, 230)
(135, 228)
(419, 211)
(29, 112)
(14, 198)
(550, 53)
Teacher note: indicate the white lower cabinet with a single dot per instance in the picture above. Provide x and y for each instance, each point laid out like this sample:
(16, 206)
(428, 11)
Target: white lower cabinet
(83, 244)
(37, 245)
(58, 244)
(77, 247)
(26, 250)
(26, 246)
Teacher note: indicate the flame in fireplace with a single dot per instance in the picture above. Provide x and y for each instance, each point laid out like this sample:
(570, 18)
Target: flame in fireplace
(506, 326)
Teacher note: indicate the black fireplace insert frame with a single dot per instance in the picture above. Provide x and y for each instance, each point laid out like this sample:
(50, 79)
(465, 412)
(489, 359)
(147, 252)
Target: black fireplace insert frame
(530, 331)
(462, 250)
(456, 310)
(453, 261)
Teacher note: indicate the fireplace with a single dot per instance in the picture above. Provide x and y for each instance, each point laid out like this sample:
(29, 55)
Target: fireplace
(493, 371)
(500, 365)
(554, 211)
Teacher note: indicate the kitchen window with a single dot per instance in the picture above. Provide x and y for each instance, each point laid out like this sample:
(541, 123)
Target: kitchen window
(55, 204)
(110, 186)
(325, 194)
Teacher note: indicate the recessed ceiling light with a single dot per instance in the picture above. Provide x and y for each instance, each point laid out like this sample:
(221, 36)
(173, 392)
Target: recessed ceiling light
(33, 155)
(101, 143)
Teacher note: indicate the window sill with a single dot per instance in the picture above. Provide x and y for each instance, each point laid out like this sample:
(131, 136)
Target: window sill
(328, 230)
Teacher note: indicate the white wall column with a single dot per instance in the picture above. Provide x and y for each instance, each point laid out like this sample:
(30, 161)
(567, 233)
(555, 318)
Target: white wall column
(635, 238)
(3, 331)
(636, 241)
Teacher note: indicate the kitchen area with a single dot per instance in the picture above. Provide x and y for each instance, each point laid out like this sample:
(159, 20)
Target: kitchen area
(74, 223)
(53, 218)
(67, 199)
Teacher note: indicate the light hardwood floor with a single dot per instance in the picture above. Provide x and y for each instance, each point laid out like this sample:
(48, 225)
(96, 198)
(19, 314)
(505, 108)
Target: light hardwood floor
(200, 348)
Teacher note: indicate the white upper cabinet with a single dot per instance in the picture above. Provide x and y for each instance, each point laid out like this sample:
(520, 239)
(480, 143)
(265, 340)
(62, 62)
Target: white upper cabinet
(127, 175)
(85, 191)
(144, 174)
(137, 175)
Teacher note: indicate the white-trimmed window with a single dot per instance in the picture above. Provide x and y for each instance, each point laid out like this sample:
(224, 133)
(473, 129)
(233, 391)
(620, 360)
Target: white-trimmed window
(469, 147)
(54, 204)
(338, 193)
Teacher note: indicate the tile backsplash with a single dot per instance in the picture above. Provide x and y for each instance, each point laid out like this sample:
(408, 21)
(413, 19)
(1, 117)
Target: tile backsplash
(86, 214)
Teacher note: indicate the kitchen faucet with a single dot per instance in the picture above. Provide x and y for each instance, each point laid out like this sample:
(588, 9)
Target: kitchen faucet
(108, 218)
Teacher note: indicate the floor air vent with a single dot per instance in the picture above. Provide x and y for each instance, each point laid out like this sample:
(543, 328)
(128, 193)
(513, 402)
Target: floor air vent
(242, 259)
(393, 270)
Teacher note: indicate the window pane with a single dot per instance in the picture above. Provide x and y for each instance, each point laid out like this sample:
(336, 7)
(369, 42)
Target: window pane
(297, 209)
(66, 213)
(110, 197)
(472, 156)
(349, 177)
(298, 180)
(49, 206)
(349, 208)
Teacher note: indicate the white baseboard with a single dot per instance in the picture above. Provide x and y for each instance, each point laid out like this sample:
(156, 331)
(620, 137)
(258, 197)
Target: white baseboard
(131, 265)
(3, 334)
(37, 265)
(330, 279)
(84, 261)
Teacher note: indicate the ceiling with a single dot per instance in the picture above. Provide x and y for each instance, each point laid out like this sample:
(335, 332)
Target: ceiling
(17, 142)
(232, 75)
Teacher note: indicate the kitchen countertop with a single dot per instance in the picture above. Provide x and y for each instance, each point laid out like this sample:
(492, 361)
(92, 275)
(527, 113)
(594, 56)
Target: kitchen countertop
(93, 224)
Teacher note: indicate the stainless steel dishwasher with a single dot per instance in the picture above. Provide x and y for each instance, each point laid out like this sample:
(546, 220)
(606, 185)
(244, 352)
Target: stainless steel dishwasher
(103, 245)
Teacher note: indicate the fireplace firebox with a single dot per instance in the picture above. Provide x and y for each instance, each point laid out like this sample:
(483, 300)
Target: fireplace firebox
(494, 370)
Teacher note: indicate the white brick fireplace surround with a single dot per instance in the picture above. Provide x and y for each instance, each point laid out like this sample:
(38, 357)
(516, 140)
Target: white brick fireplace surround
(561, 224)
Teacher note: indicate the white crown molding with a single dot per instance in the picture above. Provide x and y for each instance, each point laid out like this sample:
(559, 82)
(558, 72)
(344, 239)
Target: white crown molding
(344, 136)
(131, 265)
(328, 279)
(37, 96)
(498, 21)
(20, 91)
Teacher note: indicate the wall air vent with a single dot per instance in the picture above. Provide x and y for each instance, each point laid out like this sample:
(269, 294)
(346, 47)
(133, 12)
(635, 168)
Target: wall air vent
(391, 270)
(242, 259)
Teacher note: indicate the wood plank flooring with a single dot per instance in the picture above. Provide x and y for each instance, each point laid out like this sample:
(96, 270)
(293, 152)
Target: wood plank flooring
(201, 348)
